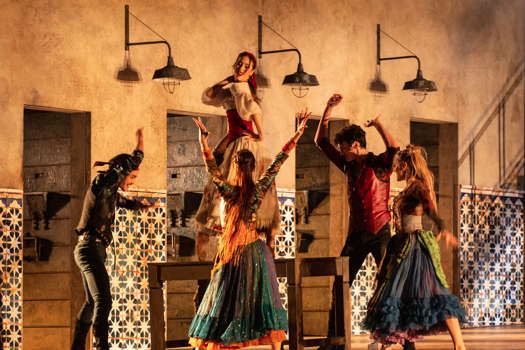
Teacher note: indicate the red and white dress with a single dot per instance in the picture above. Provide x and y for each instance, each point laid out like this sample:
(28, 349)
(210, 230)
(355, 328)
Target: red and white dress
(240, 108)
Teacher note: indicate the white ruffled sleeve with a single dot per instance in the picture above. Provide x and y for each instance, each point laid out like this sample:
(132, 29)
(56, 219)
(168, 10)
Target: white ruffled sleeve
(244, 101)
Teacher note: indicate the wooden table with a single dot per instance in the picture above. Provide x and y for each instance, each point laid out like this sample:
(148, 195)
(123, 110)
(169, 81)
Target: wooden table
(293, 269)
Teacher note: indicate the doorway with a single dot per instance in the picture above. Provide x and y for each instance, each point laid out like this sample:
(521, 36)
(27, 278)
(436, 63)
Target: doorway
(56, 173)
(186, 179)
(320, 219)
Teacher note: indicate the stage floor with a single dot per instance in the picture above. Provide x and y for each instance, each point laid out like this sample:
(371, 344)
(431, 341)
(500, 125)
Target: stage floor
(489, 338)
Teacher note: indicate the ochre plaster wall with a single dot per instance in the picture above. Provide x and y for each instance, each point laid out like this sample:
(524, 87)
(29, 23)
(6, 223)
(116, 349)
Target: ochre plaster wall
(64, 54)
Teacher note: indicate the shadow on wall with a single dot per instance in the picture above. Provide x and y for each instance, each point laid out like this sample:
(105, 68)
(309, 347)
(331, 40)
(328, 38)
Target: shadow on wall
(496, 110)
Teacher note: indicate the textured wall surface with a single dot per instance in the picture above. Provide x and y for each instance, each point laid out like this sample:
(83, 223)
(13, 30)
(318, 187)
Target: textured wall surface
(64, 54)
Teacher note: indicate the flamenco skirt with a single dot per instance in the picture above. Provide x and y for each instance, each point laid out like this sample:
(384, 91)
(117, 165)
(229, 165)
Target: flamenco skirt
(208, 216)
(412, 298)
(241, 306)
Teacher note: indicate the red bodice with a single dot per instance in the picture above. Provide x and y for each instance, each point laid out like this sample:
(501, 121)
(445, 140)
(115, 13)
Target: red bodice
(237, 125)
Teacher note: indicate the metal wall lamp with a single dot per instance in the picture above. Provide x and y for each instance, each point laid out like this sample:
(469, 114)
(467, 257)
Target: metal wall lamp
(300, 81)
(420, 86)
(170, 75)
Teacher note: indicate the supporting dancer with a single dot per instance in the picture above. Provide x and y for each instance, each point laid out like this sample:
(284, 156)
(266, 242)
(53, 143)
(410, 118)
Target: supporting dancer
(368, 180)
(94, 230)
(237, 95)
(241, 306)
(412, 298)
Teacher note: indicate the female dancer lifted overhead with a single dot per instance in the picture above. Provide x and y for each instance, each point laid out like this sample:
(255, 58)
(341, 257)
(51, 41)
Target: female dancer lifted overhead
(237, 95)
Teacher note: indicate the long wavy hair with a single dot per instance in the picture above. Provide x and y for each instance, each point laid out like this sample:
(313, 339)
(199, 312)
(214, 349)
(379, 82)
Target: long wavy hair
(239, 229)
(415, 158)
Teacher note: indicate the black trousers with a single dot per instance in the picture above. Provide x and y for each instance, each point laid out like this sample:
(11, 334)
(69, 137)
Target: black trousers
(90, 256)
(358, 245)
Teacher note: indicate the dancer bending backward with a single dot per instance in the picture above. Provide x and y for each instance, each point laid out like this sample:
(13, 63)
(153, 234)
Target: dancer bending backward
(237, 95)
(368, 179)
(412, 298)
(95, 235)
(241, 306)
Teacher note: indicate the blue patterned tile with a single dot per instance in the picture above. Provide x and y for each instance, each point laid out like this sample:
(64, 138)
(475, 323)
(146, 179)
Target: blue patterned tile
(140, 238)
(491, 256)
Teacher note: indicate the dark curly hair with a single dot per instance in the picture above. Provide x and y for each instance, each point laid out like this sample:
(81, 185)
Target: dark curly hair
(350, 134)
(123, 160)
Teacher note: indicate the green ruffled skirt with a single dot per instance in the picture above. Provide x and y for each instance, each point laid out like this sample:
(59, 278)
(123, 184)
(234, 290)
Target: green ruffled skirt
(242, 305)
(412, 297)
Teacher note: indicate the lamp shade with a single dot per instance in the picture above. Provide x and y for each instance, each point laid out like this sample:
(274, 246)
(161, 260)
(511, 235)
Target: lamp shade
(420, 84)
(171, 71)
(300, 78)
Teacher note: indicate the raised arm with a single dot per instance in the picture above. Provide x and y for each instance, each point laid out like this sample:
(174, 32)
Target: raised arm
(216, 89)
(322, 129)
(211, 165)
(112, 178)
(140, 139)
(321, 136)
(388, 139)
(269, 175)
(207, 154)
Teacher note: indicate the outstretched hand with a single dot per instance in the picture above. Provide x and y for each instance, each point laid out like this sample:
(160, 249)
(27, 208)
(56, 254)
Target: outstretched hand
(373, 121)
(334, 100)
(302, 118)
(203, 132)
(140, 139)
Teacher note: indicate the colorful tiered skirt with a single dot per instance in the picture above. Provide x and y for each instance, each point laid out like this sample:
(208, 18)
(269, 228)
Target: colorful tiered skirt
(412, 297)
(241, 306)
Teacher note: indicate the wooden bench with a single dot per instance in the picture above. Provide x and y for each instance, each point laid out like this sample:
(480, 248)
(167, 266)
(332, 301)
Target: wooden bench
(293, 269)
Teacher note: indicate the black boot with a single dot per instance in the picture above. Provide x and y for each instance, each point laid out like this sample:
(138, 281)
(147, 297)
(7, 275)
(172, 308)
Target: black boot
(79, 337)
(409, 346)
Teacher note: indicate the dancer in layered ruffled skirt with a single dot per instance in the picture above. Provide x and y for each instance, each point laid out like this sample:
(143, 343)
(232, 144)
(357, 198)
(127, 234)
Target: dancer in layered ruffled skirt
(241, 306)
(412, 297)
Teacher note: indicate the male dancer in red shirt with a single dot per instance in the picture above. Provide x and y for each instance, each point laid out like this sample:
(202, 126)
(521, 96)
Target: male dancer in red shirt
(368, 179)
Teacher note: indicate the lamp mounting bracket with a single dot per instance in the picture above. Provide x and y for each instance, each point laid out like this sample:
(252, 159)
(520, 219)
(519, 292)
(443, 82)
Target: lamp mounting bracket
(128, 43)
(260, 50)
(379, 58)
